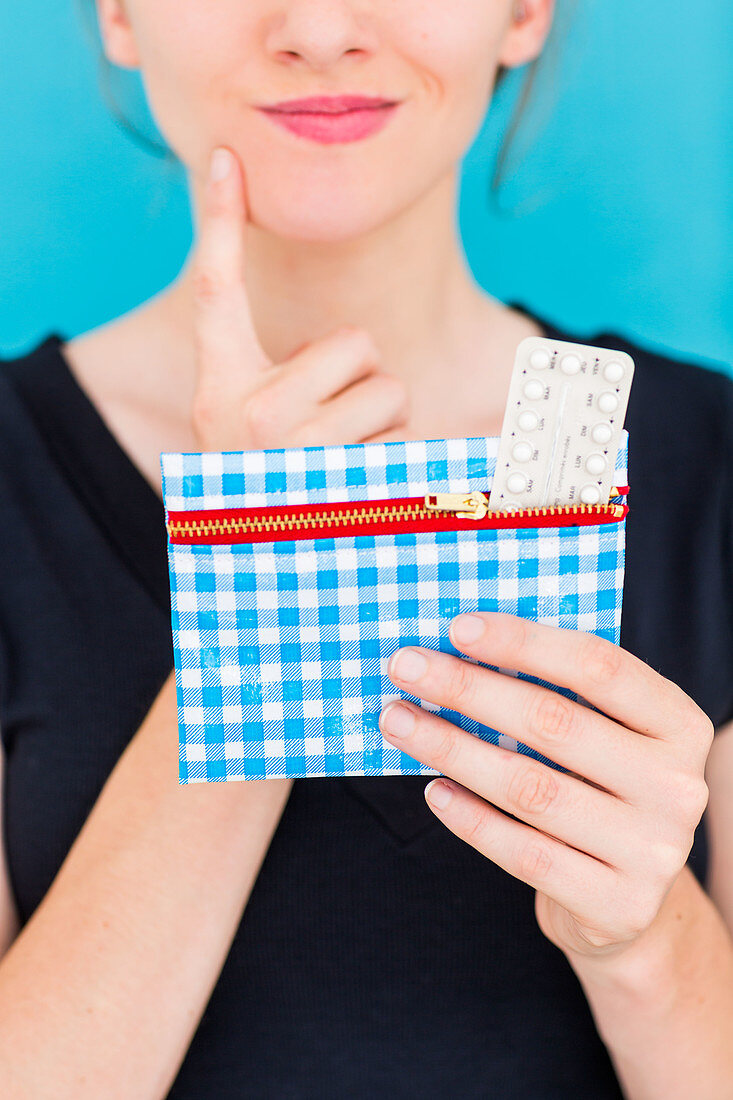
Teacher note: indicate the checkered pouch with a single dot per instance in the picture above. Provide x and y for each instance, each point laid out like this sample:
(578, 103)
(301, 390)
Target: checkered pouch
(283, 626)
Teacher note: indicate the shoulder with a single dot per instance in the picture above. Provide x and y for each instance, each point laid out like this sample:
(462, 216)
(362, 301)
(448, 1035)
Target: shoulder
(9, 363)
(680, 409)
(17, 374)
(680, 425)
(31, 388)
(674, 391)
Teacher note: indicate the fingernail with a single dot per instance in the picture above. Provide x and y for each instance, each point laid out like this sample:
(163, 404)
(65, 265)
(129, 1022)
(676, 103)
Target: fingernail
(439, 793)
(408, 665)
(396, 720)
(220, 164)
(467, 628)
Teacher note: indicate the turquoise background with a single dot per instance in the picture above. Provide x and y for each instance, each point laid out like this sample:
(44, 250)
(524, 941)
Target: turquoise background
(614, 214)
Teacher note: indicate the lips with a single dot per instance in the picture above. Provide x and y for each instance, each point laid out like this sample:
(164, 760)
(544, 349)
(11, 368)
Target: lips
(332, 120)
(327, 104)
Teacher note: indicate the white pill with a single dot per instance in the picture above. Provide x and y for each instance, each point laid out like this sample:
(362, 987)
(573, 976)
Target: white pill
(595, 464)
(570, 364)
(533, 389)
(516, 483)
(522, 451)
(601, 433)
(540, 358)
(607, 401)
(613, 371)
(528, 420)
(590, 494)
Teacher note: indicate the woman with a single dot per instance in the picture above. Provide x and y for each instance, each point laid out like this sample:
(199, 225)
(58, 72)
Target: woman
(340, 937)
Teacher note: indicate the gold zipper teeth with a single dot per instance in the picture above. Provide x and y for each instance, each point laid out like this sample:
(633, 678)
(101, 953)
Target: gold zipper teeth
(368, 515)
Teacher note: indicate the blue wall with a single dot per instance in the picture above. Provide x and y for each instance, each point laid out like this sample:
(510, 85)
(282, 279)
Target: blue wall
(615, 212)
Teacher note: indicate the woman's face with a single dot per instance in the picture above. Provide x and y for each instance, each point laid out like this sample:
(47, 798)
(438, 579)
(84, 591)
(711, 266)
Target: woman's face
(208, 68)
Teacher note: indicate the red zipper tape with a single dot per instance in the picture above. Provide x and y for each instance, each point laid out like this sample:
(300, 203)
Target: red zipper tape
(285, 522)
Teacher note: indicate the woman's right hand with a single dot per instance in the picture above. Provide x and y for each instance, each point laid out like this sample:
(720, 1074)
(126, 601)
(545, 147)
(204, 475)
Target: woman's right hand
(331, 391)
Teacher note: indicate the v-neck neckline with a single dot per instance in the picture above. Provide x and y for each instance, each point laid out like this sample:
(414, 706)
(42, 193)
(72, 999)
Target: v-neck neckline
(113, 486)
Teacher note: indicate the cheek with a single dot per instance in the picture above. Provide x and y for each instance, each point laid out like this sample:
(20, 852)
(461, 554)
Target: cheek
(456, 54)
(193, 61)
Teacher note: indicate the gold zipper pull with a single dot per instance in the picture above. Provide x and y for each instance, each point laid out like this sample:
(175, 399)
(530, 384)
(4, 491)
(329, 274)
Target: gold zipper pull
(473, 505)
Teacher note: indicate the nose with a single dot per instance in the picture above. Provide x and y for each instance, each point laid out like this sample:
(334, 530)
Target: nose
(319, 32)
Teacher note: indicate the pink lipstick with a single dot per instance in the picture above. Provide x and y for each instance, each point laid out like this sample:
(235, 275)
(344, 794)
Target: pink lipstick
(331, 119)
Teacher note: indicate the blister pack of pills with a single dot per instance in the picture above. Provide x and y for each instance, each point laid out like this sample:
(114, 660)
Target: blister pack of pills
(562, 425)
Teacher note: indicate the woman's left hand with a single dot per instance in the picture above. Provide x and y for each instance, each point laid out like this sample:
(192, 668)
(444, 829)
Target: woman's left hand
(602, 846)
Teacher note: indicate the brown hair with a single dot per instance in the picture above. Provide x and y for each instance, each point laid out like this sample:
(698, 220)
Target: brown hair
(518, 112)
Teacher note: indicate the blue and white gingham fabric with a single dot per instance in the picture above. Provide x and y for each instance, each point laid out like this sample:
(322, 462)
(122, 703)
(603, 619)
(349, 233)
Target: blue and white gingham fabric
(281, 648)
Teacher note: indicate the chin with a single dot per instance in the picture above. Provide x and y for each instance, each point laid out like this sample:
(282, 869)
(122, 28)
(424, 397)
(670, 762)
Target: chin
(321, 222)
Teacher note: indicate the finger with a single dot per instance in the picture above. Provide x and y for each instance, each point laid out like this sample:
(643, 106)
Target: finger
(371, 405)
(576, 881)
(605, 675)
(323, 368)
(394, 435)
(284, 409)
(564, 731)
(227, 343)
(592, 821)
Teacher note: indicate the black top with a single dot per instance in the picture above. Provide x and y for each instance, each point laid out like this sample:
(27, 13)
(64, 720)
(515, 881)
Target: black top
(377, 951)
